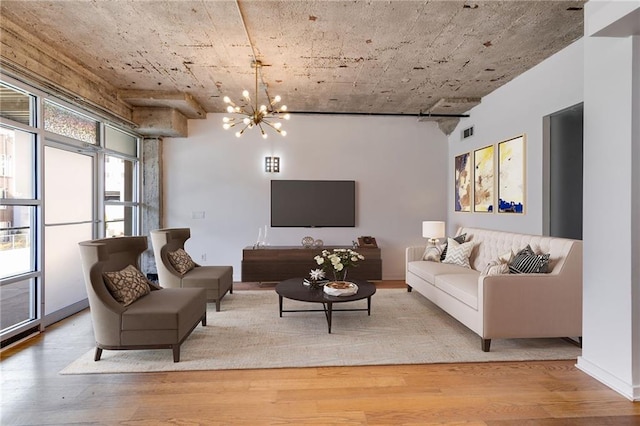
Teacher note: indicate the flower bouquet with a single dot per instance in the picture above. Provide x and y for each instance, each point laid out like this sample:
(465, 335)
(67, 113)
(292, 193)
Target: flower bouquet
(338, 261)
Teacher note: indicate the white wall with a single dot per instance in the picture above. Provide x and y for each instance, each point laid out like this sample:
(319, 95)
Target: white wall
(611, 351)
(397, 163)
(516, 108)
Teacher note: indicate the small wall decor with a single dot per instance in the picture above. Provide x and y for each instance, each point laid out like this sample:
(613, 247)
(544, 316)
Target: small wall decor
(511, 176)
(483, 200)
(462, 186)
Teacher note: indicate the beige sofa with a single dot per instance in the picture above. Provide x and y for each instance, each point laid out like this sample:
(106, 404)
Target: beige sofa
(509, 305)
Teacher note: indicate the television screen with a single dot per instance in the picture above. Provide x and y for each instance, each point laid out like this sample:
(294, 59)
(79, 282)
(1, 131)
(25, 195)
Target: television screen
(313, 203)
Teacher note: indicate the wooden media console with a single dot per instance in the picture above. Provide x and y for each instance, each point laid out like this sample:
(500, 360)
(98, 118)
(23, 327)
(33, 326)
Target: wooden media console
(278, 263)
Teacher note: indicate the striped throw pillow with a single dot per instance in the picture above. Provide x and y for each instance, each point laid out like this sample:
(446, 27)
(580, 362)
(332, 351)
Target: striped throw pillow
(526, 261)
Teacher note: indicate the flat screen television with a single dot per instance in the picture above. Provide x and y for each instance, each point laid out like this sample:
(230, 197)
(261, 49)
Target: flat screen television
(313, 203)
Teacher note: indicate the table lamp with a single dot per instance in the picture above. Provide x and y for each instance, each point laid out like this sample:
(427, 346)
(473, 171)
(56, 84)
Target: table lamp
(433, 230)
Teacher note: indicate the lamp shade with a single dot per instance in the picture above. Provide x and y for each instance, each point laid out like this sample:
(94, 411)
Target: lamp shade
(433, 229)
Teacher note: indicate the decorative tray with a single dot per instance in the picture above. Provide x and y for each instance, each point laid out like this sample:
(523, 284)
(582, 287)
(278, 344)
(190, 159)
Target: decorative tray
(340, 288)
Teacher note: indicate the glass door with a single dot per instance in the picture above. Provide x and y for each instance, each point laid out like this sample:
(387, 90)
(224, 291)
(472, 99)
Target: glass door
(69, 217)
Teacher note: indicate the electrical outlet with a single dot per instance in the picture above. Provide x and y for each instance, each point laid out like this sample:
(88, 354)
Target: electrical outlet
(203, 257)
(197, 215)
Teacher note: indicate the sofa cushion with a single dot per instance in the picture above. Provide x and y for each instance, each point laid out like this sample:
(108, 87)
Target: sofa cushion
(181, 261)
(463, 287)
(429, 270)
(127, 285)
(458, 254)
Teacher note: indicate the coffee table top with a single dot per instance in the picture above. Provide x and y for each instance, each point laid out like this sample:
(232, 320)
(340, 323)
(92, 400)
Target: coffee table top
(295, 290)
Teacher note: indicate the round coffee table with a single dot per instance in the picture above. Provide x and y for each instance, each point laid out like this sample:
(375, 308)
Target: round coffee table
(294, 289)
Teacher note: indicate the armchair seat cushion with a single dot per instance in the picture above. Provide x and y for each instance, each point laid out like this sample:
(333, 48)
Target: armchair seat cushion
(213, 277)
(166, 309)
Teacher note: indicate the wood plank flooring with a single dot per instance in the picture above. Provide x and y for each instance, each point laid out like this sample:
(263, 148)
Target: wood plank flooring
(550, 393)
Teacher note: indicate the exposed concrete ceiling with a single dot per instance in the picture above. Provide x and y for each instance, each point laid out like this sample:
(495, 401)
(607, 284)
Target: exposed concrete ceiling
(366, 57)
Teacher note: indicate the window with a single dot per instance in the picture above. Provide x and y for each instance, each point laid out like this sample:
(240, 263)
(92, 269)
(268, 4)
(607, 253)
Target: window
(17, 250)
(16, 105)
(51, 197)
(17, 159)
(120, 197)
(63, 121)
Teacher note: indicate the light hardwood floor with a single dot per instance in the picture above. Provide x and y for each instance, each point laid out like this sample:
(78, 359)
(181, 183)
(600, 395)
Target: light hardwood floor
(549, 393)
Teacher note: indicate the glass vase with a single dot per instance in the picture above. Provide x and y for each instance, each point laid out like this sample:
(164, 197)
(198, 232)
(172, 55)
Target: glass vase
(340, 275)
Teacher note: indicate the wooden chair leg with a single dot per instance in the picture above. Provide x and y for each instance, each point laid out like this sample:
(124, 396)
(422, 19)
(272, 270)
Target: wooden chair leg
(486, 345)
(176, 353)
(217, 305)
(204, 320)
(98, 354)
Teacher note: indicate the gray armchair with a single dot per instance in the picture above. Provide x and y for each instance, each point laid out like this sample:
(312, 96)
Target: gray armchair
(217, 280)
(164, 318)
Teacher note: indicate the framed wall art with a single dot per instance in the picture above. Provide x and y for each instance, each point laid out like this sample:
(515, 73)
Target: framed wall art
(511, 175)
(462, 183)
(483, 178)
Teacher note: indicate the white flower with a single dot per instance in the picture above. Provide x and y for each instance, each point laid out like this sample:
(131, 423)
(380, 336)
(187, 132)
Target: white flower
(337, 260)
(317, 274)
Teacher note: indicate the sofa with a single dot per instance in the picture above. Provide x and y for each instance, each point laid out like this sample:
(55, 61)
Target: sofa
(505, 306)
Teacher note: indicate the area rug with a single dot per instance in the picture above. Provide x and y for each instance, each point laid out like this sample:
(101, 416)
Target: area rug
(404, 328)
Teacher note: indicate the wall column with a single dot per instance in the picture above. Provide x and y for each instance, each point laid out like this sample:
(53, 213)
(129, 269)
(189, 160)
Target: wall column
(611, 312)
(151, 196)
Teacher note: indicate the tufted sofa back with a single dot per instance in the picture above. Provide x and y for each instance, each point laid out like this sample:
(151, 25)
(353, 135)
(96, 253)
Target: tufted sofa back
(490, 244)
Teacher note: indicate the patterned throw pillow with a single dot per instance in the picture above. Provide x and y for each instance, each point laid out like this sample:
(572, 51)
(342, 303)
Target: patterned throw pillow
(459, 239)
(127, 285)
(526, 261)
(432, 253)
(499, 266)
(181, 261)
(458, 254)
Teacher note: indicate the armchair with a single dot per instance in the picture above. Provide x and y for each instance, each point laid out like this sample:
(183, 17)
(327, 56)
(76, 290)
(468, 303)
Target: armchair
(217, 280)
(164, 318)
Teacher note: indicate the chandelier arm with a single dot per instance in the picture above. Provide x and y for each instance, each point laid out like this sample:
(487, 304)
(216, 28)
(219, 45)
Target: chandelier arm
(272, 126)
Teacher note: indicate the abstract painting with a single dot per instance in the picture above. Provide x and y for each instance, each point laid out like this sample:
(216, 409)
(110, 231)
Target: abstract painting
(463, 183)
(511, 185)
(483, 179)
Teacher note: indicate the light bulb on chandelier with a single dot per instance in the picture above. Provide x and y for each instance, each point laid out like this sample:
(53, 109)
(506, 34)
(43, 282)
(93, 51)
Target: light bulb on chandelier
(254, 115)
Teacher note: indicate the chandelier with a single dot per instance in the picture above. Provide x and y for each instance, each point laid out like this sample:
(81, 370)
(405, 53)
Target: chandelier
(255, 116)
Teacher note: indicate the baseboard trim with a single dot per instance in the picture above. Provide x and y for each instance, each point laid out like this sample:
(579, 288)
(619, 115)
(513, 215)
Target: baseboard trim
(627, 390)
(63, 313)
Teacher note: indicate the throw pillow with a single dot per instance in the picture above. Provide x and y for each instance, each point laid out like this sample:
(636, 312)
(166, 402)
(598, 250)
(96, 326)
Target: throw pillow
(499, 266)
(496, 269)
(459, 239)
(127, 285)
(432, 254)
(458, 254)
(181, 261)
(526, 261)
